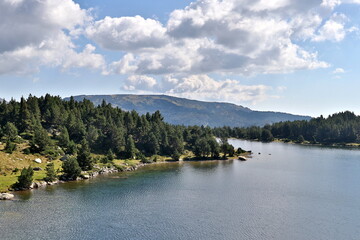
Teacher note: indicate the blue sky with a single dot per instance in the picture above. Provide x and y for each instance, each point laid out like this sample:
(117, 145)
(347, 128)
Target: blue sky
(281, 55)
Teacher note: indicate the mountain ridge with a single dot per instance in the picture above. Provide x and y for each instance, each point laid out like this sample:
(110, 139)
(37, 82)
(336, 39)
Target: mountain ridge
(185, 111)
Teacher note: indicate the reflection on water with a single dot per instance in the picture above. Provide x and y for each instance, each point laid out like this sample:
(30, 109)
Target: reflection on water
(24, 195)
(297, 192)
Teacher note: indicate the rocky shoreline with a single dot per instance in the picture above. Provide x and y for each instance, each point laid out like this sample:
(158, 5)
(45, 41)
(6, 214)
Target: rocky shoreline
(84, 176)
(88, 175)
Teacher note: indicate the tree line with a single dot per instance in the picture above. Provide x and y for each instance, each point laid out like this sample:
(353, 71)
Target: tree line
(339, 128)
(55, 127)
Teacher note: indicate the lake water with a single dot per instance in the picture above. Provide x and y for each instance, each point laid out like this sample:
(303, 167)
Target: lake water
(297, 192)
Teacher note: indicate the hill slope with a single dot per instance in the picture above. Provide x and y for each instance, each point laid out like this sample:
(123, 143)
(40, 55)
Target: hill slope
(191, 112)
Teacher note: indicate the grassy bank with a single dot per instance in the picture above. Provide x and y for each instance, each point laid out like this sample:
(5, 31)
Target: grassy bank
(12, 164)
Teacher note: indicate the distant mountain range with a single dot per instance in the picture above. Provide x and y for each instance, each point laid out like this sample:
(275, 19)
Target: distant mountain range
(191, 112)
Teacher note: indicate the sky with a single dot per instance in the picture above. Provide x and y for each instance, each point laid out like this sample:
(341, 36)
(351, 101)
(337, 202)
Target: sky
(292, 56)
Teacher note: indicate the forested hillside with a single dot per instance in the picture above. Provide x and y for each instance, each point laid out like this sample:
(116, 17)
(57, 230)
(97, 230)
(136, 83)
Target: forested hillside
(182, 111)
(343, 127)
(77, 131)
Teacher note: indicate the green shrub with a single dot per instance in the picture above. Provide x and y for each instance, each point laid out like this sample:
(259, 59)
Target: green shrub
(25, 179)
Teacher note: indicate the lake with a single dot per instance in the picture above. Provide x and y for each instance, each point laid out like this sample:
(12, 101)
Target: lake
(285, 192)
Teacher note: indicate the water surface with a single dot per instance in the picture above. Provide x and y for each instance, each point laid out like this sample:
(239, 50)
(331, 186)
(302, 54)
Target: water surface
(297, 192)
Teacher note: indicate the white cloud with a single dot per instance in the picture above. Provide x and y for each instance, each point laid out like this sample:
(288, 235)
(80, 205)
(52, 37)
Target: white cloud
(200, 87)
(127, 33)
(137, 82)
(32, 34)
(338, 71)
(333, 29)
(229, 36)
(330, 3)
(244, 37)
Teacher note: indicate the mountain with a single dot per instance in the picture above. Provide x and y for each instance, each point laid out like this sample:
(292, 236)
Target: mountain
(191, 112)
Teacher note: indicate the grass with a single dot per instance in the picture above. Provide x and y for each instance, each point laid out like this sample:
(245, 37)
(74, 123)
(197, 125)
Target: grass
(126, 162)
(9, 163)
(18, 160)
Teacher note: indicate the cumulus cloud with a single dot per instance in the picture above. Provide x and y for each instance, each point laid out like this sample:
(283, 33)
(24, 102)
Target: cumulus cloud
(58, 51)
(333, 29)
(245, 37)
(229, 36)
(140, 83)
(33, 33)
(198, 87)
(127, 33)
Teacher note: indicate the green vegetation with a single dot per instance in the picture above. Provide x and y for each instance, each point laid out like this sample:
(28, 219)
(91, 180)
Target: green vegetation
(51, 175)
(87, 136)
(71, 169)
(341, 128)
(25, 179)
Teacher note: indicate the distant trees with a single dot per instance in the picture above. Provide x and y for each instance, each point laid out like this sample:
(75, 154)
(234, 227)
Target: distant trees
(343, 127)
(266, 135)
(227, 148)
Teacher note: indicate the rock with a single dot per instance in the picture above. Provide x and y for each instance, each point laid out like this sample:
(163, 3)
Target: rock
(52, 183)
(86, 176)
(42, 184)
(6, 196)
(38, 160)
(241, 158)
(37, 168)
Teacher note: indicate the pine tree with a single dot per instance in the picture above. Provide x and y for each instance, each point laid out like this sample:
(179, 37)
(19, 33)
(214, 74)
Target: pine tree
(84, 158)
(10, 147)
(10, 131)
(64, 139)
(71, 168)
(152, 145)
(40, 141)
(25, 116)
(50, 173)
(110, 155)
(25, 179)
(130, 149)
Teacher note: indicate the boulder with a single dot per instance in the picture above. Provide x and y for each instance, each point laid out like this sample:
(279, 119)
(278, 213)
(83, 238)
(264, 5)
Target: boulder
(6, 196)
(86, 176)
(241, 158)
(38, 160)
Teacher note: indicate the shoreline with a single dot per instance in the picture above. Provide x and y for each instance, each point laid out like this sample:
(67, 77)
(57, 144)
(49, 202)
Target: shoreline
(333, 145)
(108, 170)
